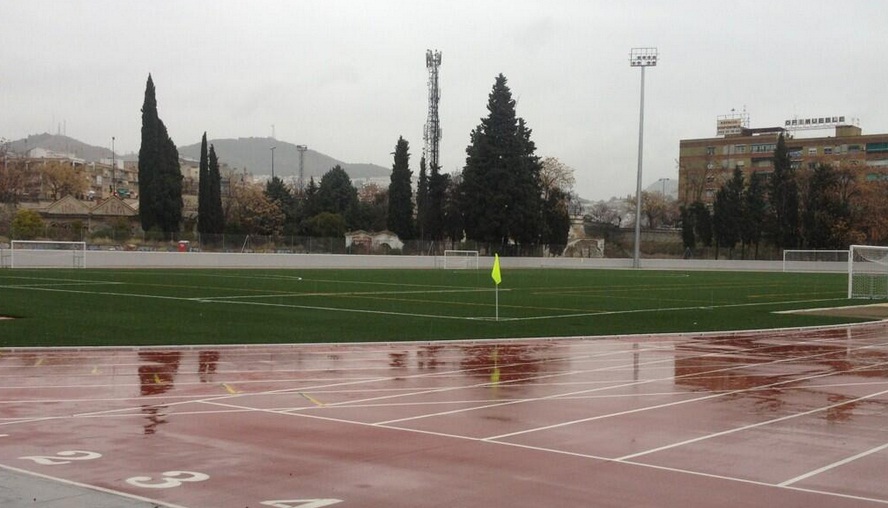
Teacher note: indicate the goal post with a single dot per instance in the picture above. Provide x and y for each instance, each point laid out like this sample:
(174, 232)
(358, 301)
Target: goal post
(868, 272)
(46, 254)
(800, 260)
(461, 259)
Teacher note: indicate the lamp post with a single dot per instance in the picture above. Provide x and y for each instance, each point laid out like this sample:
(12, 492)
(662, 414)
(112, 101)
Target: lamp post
(272, 162)
(640, 57)
(113, 169)
(302, 149)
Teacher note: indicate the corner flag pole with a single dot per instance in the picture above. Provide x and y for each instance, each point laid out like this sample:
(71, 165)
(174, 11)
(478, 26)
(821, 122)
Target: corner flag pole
(497, 278)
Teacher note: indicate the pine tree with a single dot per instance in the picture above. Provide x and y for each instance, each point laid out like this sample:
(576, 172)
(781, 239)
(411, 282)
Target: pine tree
(501, 200)
(337, 195)
(400, 207)
(160, 179)
(277, 191)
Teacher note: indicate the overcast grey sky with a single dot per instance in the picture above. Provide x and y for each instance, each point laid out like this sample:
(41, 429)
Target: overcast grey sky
(347, 78)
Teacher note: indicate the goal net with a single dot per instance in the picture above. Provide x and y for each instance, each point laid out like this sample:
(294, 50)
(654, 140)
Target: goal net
(868, 272)
(461, 259)
(815, 260)
(46, 254)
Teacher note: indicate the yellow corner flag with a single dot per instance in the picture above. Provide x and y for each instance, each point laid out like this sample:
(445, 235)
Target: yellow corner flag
(495, 273)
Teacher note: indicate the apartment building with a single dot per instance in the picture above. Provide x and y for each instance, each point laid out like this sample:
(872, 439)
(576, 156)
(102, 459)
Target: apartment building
(706, 163)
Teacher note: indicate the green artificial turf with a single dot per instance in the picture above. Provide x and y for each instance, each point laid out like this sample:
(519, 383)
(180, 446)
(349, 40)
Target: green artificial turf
(140, 307)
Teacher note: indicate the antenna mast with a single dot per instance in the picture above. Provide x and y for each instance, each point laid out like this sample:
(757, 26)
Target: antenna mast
(432, 134)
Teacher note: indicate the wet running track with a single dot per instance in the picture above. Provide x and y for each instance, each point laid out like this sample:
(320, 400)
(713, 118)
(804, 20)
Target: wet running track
(775, 418)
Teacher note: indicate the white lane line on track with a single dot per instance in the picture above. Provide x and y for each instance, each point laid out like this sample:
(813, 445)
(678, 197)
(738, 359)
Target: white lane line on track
(623, 385)
(753, 425)
(686, 401)
(91, 487)
(689, 472)
(550, 450)
(833, 465)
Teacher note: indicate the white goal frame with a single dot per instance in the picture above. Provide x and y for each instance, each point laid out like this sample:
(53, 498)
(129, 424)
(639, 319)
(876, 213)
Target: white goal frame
(868, 272)
(815, 260)
(461, 259)
(46, 254)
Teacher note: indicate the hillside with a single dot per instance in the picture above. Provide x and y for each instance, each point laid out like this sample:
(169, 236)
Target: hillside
(254, 154)
(60, 144)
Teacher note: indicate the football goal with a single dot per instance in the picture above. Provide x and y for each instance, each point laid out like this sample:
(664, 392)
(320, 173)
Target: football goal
(46, 254)
(815, 260)
(868, 272)
(461, 259)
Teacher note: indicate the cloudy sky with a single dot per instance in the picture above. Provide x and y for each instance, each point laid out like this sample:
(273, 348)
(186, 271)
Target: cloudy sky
(347, 78)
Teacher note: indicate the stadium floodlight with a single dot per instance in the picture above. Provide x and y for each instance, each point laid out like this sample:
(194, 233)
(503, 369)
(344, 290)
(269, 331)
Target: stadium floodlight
(640, 57)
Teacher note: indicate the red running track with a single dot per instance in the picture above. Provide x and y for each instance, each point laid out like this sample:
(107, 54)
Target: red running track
(788, 418)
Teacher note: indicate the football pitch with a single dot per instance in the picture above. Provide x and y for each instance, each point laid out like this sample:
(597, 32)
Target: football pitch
(56, 307)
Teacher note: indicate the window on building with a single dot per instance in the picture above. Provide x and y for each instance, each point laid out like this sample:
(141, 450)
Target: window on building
(763, 148)
(740, 149)
(853, 148)
(827, 150)
(876, 147)
(812, 151)
(710, 150)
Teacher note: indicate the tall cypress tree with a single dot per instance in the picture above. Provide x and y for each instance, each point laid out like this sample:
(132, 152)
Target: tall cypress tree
(400, 209)
(784, 199)
(149, 160)
(500, 194)
(203, 192)
(756, 210)
(160, 179)
(436, 206)
(727, 214)
(422, 199)
(216, 224)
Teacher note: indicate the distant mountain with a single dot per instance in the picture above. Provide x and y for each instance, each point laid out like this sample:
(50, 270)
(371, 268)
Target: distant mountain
(254, 154)
(62, 145)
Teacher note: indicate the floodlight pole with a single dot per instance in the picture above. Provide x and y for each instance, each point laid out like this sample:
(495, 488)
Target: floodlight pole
(640, 57)
(113, 169)
(272, 162)
(301, 149)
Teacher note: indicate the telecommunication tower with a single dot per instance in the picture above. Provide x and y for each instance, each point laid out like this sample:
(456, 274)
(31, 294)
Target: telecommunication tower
(432, 134)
